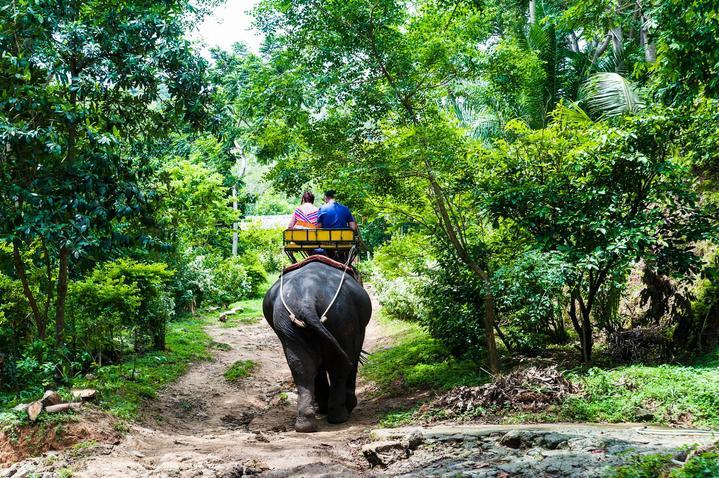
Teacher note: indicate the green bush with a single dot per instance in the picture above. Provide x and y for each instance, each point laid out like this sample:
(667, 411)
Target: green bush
(529, 299)
(702, 465)
(231, 282)
(401, 297)
(121, 302)
(265, 244)
(454, 300)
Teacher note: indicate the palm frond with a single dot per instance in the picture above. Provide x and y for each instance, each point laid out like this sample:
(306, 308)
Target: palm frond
(610, 94)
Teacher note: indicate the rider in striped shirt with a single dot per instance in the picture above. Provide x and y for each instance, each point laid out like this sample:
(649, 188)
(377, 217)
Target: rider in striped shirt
(305, 216)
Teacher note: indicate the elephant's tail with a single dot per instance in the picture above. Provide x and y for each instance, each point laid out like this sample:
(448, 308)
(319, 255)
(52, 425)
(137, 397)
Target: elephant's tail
(313, 322)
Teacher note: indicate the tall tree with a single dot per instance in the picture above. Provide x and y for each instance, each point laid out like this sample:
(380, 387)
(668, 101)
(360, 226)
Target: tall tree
(368, 81)
(80, 83)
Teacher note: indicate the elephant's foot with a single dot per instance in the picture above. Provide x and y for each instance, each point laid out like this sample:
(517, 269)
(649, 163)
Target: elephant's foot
(338, 416)
(305, 425)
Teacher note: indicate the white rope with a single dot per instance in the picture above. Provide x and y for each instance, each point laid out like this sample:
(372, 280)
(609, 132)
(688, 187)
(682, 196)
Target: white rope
(293, 317)
(344, 273)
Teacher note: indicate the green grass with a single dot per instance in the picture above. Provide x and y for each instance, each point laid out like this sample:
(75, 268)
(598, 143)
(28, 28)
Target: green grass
(682, 394)
(123, 387)
(240, 370)
(250, 314)
(416, 361)
(702, 465)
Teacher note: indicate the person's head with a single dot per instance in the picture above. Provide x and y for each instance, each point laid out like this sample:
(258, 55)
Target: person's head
(308, 197)
(329, 195)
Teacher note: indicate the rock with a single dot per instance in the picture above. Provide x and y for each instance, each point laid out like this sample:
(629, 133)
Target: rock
(643, 415)
(516, 439)
(384, 453)
(34, 410)
(22, 407)
(20, 471)
(413, 440)
(552, 441)
(63, 407)
(84, 394)
(90, 376)
(51, 397)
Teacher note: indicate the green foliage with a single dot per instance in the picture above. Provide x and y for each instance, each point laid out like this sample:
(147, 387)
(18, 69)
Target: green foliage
(659, 394)
(599, 196)
(454, 302)
(417, 361)
(239, 370)
(195, 207)
(124, 386)
(121, 302)
(701, 465)
(529, 294)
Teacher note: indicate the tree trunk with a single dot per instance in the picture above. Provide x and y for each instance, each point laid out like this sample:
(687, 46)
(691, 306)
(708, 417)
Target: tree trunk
(40, 322)
(532, 12)
(62, 278)
(588, 341)
(489, 323)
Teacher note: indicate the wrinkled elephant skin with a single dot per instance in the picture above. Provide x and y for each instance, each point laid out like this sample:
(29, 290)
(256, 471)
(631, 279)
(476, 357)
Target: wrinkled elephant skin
(323, 357)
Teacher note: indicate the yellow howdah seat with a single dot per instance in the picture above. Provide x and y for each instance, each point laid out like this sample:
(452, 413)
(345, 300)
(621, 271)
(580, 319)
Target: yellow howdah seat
(305, 241)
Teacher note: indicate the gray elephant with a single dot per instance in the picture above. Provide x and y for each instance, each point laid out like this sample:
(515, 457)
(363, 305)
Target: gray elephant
(323, 356)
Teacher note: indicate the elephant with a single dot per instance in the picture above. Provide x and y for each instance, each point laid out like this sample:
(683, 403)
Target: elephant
(323, 356)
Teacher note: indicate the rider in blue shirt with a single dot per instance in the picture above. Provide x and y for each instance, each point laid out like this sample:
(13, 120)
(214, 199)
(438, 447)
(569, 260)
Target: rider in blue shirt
(334, 215)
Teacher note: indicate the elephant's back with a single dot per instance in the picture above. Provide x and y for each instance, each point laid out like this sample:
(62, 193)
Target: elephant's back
(317, 283)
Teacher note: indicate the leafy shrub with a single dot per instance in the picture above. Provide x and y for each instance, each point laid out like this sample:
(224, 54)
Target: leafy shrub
(455, 308)
(529, 299)
(265, 244)
(702, 465)
(401, 297)
(404, 255)
(120, 302)
(231, 282)
(193, 281)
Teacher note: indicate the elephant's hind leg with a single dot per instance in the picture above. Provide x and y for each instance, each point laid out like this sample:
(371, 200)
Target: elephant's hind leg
(351, 397)
(322, 391)
(303, 368)
(337, 407)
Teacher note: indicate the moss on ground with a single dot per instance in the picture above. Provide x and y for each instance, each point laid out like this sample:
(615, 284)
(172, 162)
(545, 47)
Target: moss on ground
(239, 370)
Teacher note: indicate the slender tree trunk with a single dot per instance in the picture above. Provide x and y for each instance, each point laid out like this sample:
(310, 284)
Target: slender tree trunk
(62, 279)
(532, 12)
(40, 322)
(234, 224)
(444, 217)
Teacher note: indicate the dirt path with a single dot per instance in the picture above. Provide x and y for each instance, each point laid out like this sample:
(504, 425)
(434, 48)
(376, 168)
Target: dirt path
(205, 426)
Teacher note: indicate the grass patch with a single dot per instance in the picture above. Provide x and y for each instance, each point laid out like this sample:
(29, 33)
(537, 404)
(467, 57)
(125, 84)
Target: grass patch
(240, 370)
(122, 387)
(417, 361)
(682, 394)
(397, 418)
(251, 313)
(703, 465)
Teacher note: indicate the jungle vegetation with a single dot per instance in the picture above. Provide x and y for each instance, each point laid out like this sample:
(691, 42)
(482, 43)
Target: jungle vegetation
(531, 178)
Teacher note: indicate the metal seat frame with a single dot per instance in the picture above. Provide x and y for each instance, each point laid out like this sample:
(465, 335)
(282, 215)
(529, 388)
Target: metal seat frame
(301, 243)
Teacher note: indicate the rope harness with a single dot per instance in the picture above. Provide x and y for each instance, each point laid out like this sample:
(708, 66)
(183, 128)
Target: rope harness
(323, 317)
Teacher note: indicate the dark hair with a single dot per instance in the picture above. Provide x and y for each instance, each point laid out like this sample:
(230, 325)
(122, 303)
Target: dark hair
(308, 197)
(330, 193)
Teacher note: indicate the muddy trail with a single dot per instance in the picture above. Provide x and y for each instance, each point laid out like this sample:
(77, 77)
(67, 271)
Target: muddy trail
(205, 426)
